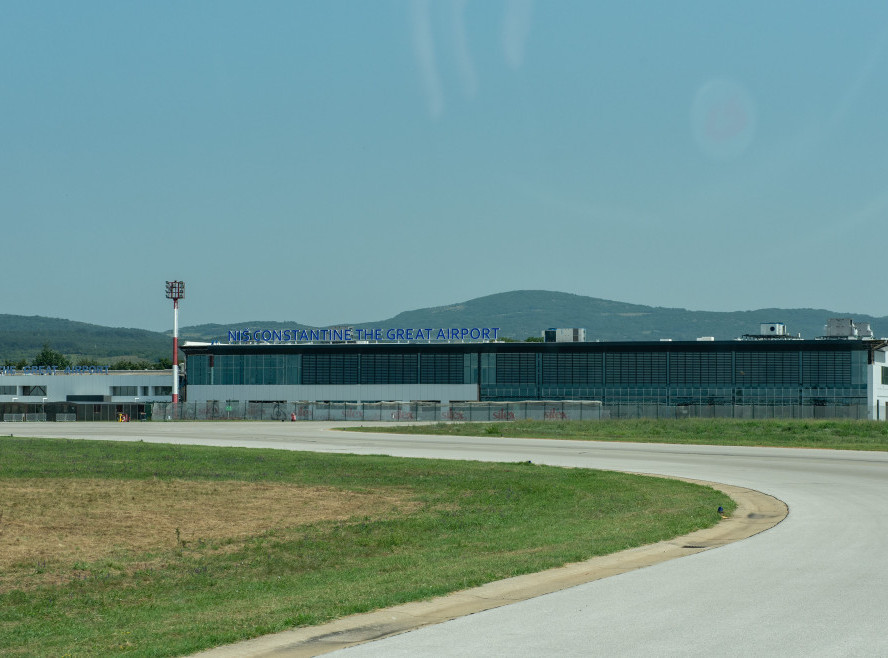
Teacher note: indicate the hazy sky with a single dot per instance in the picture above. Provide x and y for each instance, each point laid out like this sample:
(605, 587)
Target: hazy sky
(334, 161)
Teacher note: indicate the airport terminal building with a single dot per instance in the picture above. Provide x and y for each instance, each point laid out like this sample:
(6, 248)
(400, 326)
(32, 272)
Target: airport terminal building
(80, 393)
(843, 370)
(843, 374)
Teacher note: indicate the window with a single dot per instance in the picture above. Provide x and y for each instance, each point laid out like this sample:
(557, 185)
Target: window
(488, 368)
(34, 390)
(389, 369)
(197, 369)
(826, 369)
(572, 369)
(130, 391)
(325, 369)
(635, 368)
(441, 369)
(885, 375)
(8, 390)
(767, 368)
(700, 369)
(516, 368)
(229, 370)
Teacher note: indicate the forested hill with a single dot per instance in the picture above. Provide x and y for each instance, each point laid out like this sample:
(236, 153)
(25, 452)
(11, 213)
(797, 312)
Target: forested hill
(519, 315)
(526, 313)
(21, 337)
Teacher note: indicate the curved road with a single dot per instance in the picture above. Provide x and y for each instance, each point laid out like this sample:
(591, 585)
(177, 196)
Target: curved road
(816, 584)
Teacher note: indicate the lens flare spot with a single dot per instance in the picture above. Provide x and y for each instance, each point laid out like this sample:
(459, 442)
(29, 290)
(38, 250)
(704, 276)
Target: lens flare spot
(723, 119)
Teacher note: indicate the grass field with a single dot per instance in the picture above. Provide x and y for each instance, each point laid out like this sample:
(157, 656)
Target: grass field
(157, 550)
(835, 434)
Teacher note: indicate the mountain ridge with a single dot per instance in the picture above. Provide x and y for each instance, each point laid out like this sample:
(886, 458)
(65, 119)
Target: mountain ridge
(519, 314)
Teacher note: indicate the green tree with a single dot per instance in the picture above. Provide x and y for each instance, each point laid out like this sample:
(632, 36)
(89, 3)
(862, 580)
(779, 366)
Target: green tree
(49, 357)
(125, 364)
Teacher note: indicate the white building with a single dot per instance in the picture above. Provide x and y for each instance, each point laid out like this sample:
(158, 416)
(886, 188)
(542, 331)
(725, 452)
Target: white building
(84, 393)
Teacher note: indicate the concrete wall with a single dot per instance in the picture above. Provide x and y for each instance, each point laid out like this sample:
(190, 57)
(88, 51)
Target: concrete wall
(60, 386)
(877, 391)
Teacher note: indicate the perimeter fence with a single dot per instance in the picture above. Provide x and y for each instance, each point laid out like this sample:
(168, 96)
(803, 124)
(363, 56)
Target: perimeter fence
(24, 418)
(486, 411)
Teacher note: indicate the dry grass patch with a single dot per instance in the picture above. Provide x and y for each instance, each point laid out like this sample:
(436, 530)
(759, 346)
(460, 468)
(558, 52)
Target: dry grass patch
(64, 521)
(95, 566)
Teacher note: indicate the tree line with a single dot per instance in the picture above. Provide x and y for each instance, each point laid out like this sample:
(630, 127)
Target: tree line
(50, 357)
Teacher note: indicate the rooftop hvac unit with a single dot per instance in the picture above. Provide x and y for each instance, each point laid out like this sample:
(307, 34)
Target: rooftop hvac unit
(772, 329)
(845, 328)
(564, 335)
(840, 328)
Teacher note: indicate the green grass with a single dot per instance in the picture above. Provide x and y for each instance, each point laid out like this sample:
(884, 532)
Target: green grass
(472, 523)
(834, 434)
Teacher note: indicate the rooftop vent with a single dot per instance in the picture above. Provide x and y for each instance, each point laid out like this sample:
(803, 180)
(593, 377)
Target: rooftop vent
(772, 329)
(846, 328)
(564, 335)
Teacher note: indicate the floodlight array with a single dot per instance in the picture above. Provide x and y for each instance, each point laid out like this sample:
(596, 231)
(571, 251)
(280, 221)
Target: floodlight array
(175, 289)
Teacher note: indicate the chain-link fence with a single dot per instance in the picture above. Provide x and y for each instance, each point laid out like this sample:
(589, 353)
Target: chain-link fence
(62, 412)
(24, 418)
(486, 411)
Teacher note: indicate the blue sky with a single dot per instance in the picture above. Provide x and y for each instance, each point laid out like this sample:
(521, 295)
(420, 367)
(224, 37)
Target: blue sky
(330, 162)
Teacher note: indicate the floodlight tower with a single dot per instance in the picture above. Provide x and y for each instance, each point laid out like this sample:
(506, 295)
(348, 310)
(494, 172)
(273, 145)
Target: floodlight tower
(175, 290)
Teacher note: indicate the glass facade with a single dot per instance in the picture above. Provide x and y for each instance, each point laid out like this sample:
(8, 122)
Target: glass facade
(516, 369)
(445, 368)
(718, 376)
(635, 369)
(766, 369)
(828, 368)
(804, 372)
(240, 369)
(331, 369)
(573, 370)
(701, 369)
(389, 368)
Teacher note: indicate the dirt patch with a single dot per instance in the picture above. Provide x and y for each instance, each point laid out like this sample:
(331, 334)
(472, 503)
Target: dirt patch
(81, 520)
